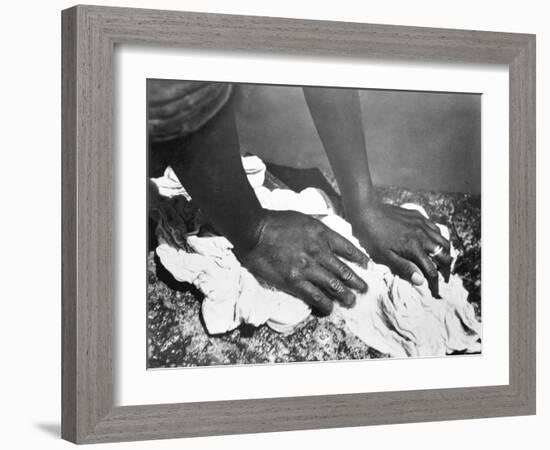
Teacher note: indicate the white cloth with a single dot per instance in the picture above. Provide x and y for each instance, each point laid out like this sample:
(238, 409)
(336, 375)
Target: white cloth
(231, 293)
(169, 185)
(310, 201)
(393, 316)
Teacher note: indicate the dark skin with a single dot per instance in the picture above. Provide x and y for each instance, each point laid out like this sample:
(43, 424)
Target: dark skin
(399, 238)
(290, 250)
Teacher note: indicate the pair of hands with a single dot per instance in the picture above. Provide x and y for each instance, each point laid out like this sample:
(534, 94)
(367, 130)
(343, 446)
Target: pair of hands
(301, 255)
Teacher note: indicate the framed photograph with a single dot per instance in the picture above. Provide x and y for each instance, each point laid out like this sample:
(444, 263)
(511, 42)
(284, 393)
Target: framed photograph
(277, 224)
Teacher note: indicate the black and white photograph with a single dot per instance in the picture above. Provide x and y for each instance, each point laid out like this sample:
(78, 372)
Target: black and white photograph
(277, 224)
(307, 223)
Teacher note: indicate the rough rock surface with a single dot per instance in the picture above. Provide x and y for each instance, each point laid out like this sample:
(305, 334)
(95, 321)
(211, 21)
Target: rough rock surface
(177, 337)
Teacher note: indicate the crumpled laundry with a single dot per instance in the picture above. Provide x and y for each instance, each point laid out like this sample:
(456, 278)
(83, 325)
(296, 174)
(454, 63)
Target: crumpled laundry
(393, 316)
(232, 295)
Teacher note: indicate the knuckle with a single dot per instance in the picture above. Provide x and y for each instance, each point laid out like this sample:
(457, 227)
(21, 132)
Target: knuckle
(432, 274)
(301, 263)
(409, 270)
(313, 248)
(322, 304)
(418, 221)
(326, 238)
(316, 297)
(428, 222)
(420, 240)
(346, 274)
(408, 236)
(294, 275)
(413, 242)
(350, 249)
(335, 285)
(315, 227)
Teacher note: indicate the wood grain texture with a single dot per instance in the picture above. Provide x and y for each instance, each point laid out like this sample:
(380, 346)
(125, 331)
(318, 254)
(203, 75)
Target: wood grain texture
(89, 270)
(68, 225)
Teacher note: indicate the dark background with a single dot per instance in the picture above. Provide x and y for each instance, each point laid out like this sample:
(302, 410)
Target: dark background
(416, 140)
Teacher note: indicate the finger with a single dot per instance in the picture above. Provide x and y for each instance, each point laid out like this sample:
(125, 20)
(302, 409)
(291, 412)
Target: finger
(431, 225)
(438, 238)
(418, 255)
(344, 248)
(405, 269)
(442, 259)
(424, 223)
(419, 218)
(314, 297)
(344, 273)
(331, 285)
(444, 263)
(410, 212)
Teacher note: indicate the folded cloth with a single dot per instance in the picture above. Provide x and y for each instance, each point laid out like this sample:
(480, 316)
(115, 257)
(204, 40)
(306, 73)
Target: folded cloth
(393, 316)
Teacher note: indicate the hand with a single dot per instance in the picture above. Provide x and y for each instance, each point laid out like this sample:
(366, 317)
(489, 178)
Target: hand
(403, 239)
(299, 254)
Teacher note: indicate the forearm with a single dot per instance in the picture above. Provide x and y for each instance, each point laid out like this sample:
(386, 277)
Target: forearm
(337, 117)
(393, 236)
(208, 164)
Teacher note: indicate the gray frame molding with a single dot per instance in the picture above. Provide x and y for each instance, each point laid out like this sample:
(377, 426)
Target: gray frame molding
(89, 36)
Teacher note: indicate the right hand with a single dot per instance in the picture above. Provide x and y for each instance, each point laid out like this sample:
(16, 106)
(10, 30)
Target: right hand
(403, 239)
(299, 254)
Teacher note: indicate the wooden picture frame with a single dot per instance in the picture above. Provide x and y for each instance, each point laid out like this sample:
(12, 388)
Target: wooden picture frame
(90, 34)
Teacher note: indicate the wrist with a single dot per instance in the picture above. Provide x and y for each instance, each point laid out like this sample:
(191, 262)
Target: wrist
(359, 208)
(250, 231)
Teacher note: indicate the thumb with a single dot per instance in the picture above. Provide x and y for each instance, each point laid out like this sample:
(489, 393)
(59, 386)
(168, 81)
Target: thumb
(405, 269)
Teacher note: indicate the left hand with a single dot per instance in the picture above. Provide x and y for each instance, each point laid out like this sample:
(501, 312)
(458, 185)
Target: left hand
(403, 240)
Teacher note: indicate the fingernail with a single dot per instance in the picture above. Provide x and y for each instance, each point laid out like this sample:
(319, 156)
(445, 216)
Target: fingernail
(417, 278)
(447, 275)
